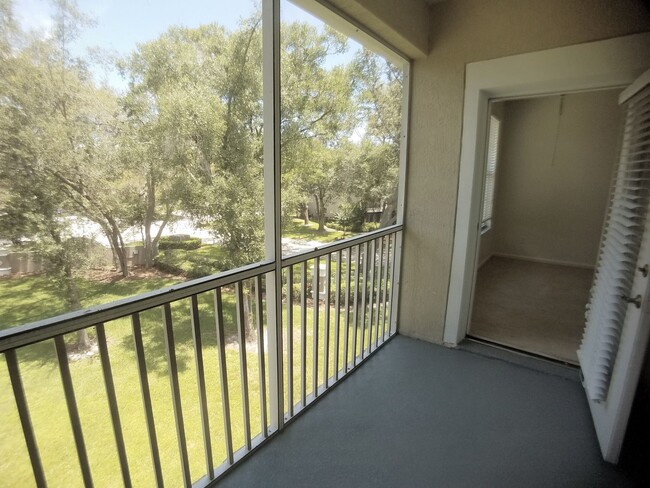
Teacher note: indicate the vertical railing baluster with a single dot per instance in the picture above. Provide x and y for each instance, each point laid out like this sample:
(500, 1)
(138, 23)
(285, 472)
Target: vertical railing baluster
(241, 334)
(73, 412)
(25, 420)
(337, 318)
(371, 296)
(355, 306)
(380, 272)
(146, 398)
(290, 340)
(316, 302)
(364, 292)
(260, 354)
(326, 339)
(223, 372)
(346, 326)
(386, 283)
(112, 403)
(170, 349)
(394, 279)
(303, 336)
(200, 382)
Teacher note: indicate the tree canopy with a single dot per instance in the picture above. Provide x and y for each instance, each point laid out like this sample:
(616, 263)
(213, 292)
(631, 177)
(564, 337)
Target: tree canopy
(185, 137)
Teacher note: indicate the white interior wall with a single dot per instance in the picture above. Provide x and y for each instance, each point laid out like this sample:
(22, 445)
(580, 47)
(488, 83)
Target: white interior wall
(556, 158)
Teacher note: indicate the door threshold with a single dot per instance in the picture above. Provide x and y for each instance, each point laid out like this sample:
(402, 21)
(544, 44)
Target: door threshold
(522, 352)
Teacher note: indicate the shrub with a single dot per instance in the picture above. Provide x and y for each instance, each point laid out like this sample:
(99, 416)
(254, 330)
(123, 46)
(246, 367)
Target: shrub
(173, 242)
(334, 225)
(370, 226)
(351, 217)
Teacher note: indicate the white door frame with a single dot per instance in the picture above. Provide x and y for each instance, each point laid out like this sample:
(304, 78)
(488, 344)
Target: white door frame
(594, 65)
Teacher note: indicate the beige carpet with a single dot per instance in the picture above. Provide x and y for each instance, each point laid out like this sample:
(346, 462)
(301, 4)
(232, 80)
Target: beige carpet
(531, 306)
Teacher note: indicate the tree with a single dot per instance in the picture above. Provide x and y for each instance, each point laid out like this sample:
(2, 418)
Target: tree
(195, 100)
(317, 115)
(33, 217)
(59, 125)
(375, 169)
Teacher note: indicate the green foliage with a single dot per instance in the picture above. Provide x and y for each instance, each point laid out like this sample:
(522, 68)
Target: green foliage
(351, 216)
(185, 139)
(175, 243)
(370, 226)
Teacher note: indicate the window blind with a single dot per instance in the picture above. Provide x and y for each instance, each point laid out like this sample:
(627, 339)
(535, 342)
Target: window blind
(490, 173)
(620, 243)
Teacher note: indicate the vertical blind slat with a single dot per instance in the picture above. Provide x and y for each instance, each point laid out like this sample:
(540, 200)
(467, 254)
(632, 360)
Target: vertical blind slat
(620, 245)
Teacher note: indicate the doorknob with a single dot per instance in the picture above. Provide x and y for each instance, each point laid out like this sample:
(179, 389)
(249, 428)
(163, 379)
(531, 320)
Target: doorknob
(636, 300)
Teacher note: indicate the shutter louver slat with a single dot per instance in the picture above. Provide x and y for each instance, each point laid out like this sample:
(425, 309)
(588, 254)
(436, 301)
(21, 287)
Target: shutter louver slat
(619, 249)
(490, 173)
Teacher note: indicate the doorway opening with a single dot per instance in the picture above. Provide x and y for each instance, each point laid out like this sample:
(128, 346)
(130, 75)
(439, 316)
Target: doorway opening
(548, 169)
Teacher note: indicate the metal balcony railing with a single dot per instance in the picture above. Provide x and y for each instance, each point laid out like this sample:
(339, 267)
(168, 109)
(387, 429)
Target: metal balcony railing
(349, 288)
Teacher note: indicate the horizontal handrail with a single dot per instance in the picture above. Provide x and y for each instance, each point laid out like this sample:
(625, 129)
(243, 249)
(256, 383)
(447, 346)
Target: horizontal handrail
(33, 332)
(345, 328)
(23, 335)
(339, 245)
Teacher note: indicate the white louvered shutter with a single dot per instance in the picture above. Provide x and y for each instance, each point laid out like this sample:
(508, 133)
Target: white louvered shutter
(490, 173)
(619, 250)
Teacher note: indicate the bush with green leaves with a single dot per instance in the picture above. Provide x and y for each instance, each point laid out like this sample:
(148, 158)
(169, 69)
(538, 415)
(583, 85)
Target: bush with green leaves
(370, 226)
(172, 242)
(351, 217)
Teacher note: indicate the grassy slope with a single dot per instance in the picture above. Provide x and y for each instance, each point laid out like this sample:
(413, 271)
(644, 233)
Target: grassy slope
(204, 261)
(297, 230)
(46, 401)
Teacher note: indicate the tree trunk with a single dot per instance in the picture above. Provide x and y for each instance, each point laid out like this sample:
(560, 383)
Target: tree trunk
(149, 215)
(74, 302)
(148, 246)
(389, 215)
(120, 253)
(156, 239)
(320, 210)
(304, 212)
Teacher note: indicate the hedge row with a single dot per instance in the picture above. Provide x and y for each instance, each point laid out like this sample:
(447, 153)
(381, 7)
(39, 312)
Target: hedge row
(186, 244)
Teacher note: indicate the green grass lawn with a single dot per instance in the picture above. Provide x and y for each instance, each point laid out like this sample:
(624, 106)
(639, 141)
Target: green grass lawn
(30, 298)
(296, 229)
(206, 260)
(210, 259)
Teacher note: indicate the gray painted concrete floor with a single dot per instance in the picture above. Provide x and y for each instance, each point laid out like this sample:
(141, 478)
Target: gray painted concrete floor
(418, 414)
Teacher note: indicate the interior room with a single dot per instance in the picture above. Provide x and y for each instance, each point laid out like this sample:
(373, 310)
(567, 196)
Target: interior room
(548, 170)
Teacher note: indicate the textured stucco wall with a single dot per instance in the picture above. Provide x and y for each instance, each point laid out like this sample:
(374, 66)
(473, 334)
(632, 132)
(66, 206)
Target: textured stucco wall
(464, 31)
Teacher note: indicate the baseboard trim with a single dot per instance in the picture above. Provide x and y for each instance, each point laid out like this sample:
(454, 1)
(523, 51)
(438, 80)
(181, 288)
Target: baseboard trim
(543, 261)
(480, 265)
(522, 352)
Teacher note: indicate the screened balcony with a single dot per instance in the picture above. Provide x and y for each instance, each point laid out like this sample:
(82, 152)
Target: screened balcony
(294, 370)
(403, 413)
